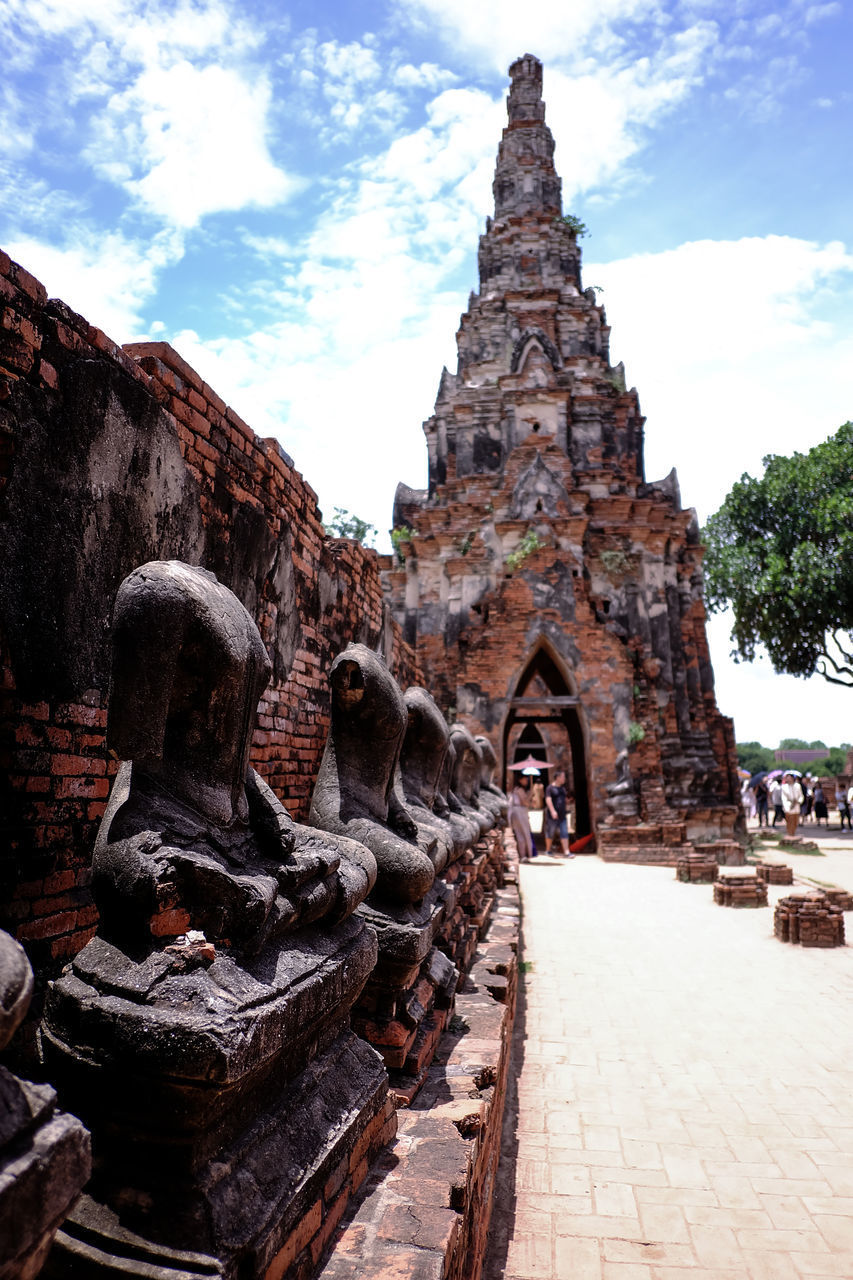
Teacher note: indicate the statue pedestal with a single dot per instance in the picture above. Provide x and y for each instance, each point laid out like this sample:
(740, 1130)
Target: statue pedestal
(44, 1163)
(44, 1154)
(222, 1102)
(406, 1002)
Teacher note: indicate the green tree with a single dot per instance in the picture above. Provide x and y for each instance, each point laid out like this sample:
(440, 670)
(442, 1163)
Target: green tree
(833, 763)
(754, 757)
(344, 524)
(780, 553)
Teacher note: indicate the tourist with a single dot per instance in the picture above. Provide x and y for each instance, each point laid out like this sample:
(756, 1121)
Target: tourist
(556, 816)
(761, 801)
(792, 799)
(820, 809)
(776, 799)
(747, 798)
(808, 796)
(519, 803)
(842, 803)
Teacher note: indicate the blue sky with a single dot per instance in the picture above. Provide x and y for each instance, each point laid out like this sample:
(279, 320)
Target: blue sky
(291, 194)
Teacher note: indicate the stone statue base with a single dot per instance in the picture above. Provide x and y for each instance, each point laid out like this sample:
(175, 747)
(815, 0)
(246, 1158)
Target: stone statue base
(44, 1154)
(44, 1162)
(412, 983)
(221, 1101)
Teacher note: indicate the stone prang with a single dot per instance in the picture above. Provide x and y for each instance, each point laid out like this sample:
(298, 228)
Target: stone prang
(547, 586)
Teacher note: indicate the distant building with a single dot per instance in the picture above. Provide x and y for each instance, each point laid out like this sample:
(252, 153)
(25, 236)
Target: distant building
(803, 755)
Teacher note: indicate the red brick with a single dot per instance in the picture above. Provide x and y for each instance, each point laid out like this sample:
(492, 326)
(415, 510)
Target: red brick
(308, 1227)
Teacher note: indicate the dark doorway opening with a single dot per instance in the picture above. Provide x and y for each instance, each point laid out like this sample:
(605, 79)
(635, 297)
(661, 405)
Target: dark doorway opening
(546, 707)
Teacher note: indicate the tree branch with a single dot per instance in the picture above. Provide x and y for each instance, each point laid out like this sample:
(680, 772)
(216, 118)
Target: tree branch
(843, 675)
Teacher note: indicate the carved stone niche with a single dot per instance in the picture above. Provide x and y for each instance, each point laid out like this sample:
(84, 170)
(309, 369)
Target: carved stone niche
(359, 794)
(44, 1153)
(204, 1033)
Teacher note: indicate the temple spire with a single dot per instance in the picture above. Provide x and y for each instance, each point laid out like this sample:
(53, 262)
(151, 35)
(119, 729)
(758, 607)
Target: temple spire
(525, 178)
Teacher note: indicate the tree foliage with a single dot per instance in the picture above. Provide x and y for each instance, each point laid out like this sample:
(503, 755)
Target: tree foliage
(754, 757)
(344, 524)
(780, 552)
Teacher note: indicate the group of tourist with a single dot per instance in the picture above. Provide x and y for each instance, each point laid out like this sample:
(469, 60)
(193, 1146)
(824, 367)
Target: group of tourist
(552, 803)
(795, 799)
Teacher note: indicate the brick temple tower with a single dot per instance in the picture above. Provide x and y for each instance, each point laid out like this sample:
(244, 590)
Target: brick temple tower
(553, 593)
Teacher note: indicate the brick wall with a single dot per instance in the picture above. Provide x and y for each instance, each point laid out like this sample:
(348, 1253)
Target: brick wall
(110, 457)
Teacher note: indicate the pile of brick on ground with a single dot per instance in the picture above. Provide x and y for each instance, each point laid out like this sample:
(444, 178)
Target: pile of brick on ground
(697, 868)
(810, 919)
(740, 891)
(774, 872)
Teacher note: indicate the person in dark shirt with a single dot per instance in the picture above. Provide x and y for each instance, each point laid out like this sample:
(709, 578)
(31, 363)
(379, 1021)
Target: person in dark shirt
(761, 802)
(556, 807)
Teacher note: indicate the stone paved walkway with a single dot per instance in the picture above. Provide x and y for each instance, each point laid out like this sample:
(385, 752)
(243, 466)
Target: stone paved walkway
(684, 1089)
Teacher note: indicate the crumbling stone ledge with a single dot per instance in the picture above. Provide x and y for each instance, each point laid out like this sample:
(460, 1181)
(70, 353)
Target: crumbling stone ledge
(425, 1208)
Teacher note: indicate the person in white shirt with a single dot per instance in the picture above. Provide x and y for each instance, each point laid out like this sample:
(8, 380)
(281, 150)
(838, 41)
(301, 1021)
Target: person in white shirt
(792, 798)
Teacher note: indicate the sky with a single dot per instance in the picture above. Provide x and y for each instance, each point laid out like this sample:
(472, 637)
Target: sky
(291, 195)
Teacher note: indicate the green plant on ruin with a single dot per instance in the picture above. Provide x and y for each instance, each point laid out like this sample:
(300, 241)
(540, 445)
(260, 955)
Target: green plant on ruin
(636, 733)
(467, 542)
(592, 291)
(615, 377)
(400, 534)
(574, 224)
(615, 561)
(344, 524)
(529, 543)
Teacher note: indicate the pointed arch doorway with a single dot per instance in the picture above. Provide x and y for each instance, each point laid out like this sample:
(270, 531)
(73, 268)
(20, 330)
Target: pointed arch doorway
(544, 705)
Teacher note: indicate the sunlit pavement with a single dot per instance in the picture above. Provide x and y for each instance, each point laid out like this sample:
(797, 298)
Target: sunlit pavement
(683, 1104)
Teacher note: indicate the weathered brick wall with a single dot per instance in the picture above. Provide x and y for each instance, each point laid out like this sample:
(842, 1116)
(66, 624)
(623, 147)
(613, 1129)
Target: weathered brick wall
(110, 457)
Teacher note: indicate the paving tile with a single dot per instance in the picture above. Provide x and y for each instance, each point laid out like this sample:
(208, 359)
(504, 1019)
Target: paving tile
(836, 1231)
(665, 1223)
(578, 1259)
(820, 1265)
(625, 1271)
(716, 1247)
(787, 1211)
(786, 1240)
(648, 1253)
(614, 1199)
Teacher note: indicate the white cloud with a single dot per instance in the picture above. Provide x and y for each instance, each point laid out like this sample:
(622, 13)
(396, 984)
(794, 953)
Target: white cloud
(106, 277)
(429, 75)
(818, 12)
(496, 31)
(189, 141)
(186, 104)
(600, 118)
